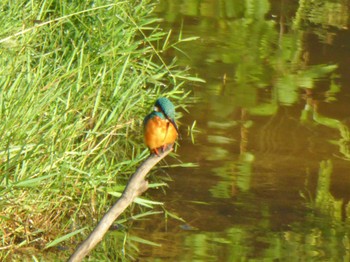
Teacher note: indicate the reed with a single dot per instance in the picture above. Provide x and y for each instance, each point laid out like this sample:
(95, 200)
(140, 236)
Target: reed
(76, 78)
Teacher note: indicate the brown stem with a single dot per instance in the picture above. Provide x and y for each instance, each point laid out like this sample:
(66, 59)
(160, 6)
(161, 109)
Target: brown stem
(135, 187)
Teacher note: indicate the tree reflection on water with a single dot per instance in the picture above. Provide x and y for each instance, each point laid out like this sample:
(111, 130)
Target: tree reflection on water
(274, 149)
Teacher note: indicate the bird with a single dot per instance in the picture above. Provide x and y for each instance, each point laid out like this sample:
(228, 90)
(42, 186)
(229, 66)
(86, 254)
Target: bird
(160, 128)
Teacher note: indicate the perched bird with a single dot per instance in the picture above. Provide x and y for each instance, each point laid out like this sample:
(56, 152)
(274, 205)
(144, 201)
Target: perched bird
(160, 129)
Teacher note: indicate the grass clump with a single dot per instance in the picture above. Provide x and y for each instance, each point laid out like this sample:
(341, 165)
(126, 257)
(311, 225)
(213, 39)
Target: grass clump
(76, 79)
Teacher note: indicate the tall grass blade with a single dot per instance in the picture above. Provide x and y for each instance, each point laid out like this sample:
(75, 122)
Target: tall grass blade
(64, 238)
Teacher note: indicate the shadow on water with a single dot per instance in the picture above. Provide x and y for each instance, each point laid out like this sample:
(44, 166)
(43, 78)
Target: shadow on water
(273, 142)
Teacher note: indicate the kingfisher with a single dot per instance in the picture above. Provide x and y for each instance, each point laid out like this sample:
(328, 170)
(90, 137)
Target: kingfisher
(159, 127)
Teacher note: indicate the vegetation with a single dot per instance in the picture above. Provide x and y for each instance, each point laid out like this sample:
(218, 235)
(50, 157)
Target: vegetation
(77, 77)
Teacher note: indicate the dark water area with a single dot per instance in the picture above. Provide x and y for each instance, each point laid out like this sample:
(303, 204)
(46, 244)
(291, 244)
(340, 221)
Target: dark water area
(271, 138)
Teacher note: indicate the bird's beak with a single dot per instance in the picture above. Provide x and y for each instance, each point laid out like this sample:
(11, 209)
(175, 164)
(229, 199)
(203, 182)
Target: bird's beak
(174, 124)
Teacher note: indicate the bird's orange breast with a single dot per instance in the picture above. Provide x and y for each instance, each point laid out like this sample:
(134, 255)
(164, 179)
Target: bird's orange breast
(159, 132)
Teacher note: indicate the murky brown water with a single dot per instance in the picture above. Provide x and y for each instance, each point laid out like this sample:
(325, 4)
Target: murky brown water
(274, 146)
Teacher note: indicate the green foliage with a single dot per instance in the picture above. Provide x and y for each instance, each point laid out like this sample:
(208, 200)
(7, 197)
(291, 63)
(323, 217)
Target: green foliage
(76, 80)
(63, 238)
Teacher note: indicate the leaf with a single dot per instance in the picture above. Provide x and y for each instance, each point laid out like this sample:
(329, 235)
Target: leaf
(144, 241)
(156, 185)
(188, 39)
(191, 78)
(139, 216)
(32, 181)
(172, 215)
(139, 200)
(63, 238)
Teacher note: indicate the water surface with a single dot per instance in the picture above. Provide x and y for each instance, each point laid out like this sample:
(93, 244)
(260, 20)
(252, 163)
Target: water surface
(272, 140)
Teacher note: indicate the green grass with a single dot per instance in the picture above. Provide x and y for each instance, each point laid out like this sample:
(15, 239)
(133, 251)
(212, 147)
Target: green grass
(76, 80)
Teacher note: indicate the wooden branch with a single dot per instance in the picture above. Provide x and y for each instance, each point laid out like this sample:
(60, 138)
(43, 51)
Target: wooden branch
(135, 187)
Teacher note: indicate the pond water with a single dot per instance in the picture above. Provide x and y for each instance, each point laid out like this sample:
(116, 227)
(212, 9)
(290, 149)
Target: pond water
(271, 139)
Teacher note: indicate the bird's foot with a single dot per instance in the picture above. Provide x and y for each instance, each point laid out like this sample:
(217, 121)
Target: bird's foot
(167, 147)
(155, 151)
(161, 149)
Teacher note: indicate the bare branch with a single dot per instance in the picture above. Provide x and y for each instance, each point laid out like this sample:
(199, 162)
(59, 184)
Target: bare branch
(135, 187)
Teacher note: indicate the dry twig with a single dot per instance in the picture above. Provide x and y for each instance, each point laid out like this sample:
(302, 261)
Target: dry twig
(135, 187)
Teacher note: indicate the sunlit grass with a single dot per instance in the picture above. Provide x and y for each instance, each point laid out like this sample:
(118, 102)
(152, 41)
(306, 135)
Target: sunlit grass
(76, 80)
